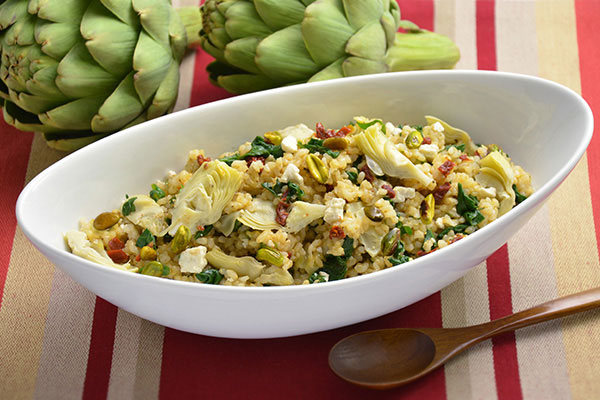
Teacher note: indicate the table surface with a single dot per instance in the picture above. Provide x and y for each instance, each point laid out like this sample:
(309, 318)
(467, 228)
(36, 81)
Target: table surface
(59, 341)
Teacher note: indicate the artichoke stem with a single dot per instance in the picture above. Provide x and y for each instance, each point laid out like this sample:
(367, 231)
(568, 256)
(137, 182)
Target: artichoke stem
(192, 20)
(417, 50)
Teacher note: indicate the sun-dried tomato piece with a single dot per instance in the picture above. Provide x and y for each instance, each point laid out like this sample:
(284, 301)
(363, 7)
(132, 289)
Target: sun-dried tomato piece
(201, 159)
(390, 190)
(426, 140)
(343, 131)
(440, 192)
(282, 213)
(464, 157)
(250, 160)
(115, 244)
(337, 231)
(328, 188)
(368, 173)
(118, 256)
(447, 167)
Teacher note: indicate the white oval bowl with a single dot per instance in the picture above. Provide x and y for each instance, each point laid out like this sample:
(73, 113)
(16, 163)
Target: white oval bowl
(544, 126)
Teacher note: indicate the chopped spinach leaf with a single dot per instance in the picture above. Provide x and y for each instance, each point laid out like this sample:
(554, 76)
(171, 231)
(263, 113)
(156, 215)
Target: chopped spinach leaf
(128, 206)
(399, 257)
(404, 229)
(156, 193)
(315, 277)
(460, 147)
(316, 146)
(356, 162)
(460, 228)
(466, 203)
(417, 127)
(166, 270)
(237, 225)
(518, 196)
(429, 235)
(334, 266)
(210, 276)
(204, 232)
(353, 176)
(365, 125)
(294, 192)
(261, 148)
(348, 246)
(276, 189)
(230, 159)
(473, 217)
(145, 239)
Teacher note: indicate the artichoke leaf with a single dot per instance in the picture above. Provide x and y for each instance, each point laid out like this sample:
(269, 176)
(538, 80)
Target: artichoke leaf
(226, 224)
(166, 94)
(369, 42)
(371, 238)
(278, 14)
(152, 61)
(241, 52)
(303, 214)
(497, 172)
(454, 135)
(120, 108)
(275, 276)
(262, 216)
(243, 20)
(378, 147)
(243, 266)
(82, 247)
(148, 214)
(204, 196)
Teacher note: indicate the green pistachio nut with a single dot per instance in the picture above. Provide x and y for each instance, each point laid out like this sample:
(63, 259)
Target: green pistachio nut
(317, 168)
(270, 255)
(181, 239)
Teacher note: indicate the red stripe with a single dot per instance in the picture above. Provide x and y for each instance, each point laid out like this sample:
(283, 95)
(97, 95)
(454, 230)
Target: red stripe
(418, 11)
(16, 146)
(202, 91)
(101, 350)
(588, 32)
(506, 365)
(485, 34)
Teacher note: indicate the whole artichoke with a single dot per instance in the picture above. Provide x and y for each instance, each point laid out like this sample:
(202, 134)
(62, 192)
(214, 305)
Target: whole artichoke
(260, 44)
(79, 70)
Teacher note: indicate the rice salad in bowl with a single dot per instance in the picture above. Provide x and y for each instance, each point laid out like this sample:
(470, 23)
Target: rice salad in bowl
(304, 206)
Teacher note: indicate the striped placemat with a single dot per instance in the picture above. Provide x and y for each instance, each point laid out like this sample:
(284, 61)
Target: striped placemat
(59, 341)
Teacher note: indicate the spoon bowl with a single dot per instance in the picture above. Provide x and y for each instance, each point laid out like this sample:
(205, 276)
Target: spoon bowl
(386, 358)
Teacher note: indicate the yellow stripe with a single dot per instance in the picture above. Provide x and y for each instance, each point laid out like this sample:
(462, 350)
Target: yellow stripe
(574, 244)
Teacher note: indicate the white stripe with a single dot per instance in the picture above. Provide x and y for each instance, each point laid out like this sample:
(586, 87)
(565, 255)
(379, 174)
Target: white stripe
(125, 355)
(464, 34)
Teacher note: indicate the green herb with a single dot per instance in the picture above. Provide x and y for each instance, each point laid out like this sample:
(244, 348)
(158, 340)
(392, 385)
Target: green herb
(428, 236)
(210, 276)
(294, 192)
(460, 228)
(417, 127)
(316, 146)
(230, 159)
(467, 207)
(334, 266)
(404, 229)
(365, 125)
(276, 189)
(460, 147)
(353, 176)
(128, 206)
(166, 270)
(348, 246)
(399, 257)
(145, 239)
(237, 225)
(156, 193)
(518, 196)
(315, 277)
(261, 148)
(204, 232)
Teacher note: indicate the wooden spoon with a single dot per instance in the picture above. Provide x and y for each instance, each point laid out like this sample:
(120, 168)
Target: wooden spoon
(386, 358)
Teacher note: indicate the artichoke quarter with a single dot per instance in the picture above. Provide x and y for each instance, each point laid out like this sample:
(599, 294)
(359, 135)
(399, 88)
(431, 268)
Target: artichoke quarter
(260, 44)
(78, 70)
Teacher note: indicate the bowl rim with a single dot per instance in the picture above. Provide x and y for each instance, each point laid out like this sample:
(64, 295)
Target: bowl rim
(537, 197)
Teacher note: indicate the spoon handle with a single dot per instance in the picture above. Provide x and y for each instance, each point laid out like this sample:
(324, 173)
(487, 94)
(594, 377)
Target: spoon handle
(560, 307)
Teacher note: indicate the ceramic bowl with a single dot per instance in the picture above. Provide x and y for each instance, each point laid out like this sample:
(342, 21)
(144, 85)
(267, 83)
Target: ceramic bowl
(544, 126)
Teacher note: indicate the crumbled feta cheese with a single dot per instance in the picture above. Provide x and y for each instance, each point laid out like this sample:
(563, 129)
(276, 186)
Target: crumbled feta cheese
(291, 174)
(403, 193)
(438, 127)
(289, 144)
(429, 151)
(334, 211)
(391, 129)
(193, 260)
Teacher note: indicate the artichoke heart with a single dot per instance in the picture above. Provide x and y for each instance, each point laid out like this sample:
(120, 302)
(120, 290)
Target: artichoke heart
(371, 238)
(243, 266)
(300, 132)
(302, 214)
(497, 172)
(147, 214)
(204, 196)
(275, 276)
(262, 217)
(373, 143)
(226, 224)
(93, 251)
(454, 135)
